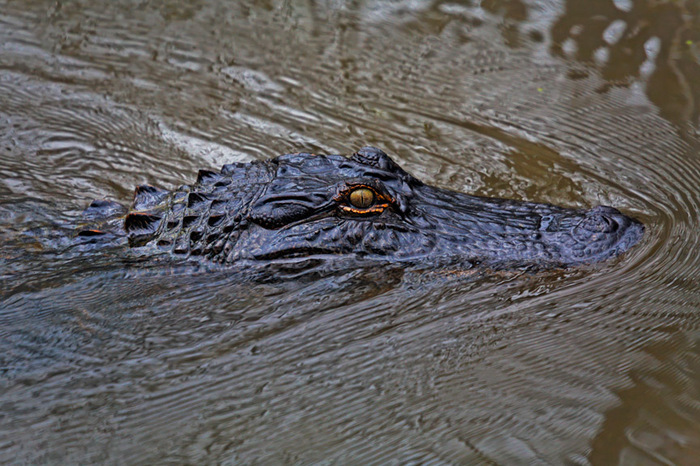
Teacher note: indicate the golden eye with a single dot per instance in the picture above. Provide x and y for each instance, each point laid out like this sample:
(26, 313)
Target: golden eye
(362, 198)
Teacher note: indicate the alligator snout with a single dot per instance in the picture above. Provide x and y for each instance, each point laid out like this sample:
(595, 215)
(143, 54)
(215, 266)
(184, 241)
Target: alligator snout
(602, 219)
(607, 232)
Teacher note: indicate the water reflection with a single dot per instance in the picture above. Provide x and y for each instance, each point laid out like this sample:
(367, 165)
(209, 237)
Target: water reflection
(655, 40)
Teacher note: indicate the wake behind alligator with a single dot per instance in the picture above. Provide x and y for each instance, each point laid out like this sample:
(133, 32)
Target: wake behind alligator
(365, 206)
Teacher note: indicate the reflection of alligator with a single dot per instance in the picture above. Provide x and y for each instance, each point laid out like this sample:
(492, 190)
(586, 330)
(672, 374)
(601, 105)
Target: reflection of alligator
(674, 81)
(302, 205)
(656, 42)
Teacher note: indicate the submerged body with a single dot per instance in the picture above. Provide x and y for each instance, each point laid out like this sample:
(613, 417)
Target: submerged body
(302, 205)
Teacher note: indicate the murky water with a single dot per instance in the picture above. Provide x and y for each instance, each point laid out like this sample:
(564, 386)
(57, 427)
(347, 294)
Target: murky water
(104, 359)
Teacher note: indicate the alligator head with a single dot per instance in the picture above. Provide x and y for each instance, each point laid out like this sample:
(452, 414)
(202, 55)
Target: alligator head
(302, 205)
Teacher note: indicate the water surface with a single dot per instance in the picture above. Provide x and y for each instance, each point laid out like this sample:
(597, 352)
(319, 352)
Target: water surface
(104, 358)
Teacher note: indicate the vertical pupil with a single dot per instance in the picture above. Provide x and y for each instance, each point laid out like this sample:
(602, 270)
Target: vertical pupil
(362, 198)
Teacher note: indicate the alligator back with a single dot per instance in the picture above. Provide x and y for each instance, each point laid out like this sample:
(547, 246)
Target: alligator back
(200, 219)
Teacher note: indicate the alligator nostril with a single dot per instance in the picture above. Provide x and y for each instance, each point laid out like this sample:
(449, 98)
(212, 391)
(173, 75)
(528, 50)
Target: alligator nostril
(608, 224)
(599, 224)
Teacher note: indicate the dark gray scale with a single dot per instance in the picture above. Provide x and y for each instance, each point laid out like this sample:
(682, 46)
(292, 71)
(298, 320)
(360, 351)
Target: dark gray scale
(140, 227)
(208, 177)
(147, 197)
(145, 217)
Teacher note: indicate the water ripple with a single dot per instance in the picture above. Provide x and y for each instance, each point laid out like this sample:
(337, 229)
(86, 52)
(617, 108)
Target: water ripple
(105, 357)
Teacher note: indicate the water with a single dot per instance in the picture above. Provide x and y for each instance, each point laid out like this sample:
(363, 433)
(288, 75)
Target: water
(104, 358)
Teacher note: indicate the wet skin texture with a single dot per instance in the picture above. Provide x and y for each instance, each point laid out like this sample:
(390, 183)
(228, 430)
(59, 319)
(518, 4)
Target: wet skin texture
(303, 205)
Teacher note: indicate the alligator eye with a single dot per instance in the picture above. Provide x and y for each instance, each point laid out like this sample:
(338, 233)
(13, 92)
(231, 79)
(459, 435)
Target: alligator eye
(362, 198)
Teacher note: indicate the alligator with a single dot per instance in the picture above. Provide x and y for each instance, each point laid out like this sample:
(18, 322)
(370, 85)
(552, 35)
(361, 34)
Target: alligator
(365, 206)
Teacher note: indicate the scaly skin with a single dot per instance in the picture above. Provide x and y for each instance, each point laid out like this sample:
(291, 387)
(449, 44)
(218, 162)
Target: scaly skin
(302, 205)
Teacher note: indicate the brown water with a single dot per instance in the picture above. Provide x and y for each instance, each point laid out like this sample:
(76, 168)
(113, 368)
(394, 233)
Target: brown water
(577, 103)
